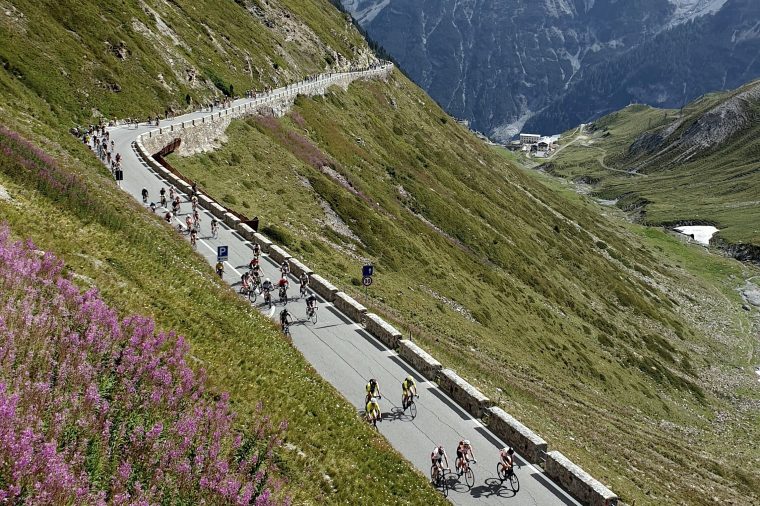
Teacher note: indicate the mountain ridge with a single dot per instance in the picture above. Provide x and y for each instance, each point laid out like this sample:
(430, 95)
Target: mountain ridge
(510, 65)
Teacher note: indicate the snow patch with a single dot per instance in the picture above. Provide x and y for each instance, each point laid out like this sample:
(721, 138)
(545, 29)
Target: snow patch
(686, 10)
(365, 12)
(702, 233)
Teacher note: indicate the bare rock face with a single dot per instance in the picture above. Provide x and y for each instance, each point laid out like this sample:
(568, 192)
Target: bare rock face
(751, 294)
(120, 50)
(549, 65)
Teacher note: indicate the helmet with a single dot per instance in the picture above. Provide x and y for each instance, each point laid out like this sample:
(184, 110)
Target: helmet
(511, 451)
(466, 442)
(440, 450)
(409, 378)
(268, 280)
(373, 381)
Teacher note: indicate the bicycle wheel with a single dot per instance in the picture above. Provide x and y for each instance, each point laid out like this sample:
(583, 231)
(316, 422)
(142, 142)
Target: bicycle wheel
(444, 484)
(314, 317)
(433, 477)
(469, 477)
(501, 471)
(413, 409)
(252, 295)
(514, 483)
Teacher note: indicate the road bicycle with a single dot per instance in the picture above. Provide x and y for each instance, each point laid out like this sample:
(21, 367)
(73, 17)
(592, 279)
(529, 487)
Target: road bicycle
(311, 314)
(438, 478)
(508, 474)
(408, 402)
(469, 476)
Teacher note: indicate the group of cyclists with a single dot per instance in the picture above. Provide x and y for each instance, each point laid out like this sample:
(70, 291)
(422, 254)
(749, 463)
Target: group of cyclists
(251, 281)
(465, 456)
(372, 411)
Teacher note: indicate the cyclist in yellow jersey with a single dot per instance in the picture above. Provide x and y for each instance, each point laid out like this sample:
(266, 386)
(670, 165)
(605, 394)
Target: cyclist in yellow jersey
(408, 391)
(373, 390)
(373, 411)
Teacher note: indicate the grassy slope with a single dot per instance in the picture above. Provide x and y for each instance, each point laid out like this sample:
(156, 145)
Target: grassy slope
(718, 186)
(579, 331)
(141, 266)
(62, 50)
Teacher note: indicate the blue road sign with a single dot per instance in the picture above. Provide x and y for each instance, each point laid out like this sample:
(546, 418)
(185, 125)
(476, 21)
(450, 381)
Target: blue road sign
(368, 270)
(222, 252)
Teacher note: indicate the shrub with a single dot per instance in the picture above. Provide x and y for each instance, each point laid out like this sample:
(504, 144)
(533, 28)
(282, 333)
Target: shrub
(101, 410)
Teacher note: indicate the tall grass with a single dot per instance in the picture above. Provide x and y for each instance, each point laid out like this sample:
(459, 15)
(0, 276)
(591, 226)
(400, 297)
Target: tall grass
(101, 410)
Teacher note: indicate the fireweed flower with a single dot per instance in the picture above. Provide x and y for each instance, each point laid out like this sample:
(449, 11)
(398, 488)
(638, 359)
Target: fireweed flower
(101, 410)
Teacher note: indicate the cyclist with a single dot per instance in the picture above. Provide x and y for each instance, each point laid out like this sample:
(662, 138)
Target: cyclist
(256, 250)
(168, 217)
(284, 319)
(408, 391)
(437, 457)
(304, 280)
(196, 217)
(145, 195)
(220, 269)
(256, 274)
(311, 302)
(194, 239)
(176, 205)
(266, 290)
(464, 454)
(283, 284)
(171, 193)
(194, 202)
(373, 389)
(245, 284)
(285, 269)
(189, 223)
(214, 229)
(373, 411)
(507, 456)
(253, 263)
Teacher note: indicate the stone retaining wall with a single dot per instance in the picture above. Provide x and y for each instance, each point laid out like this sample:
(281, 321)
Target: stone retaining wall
(419, 359)
(322, 287)
(278, 254)
(466, 395)
(262, 241)
(578, 482)
(384, 331)
(231, 220)
(208, 132)
(297, 268)
(526, 442)
(350, 307)
(246, 231)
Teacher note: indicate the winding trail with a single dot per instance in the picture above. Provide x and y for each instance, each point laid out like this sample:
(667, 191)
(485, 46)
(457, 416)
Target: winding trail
(347, 356)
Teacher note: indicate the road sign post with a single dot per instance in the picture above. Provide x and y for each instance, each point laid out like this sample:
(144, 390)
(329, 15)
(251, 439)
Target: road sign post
(367, 272)
(222, 253)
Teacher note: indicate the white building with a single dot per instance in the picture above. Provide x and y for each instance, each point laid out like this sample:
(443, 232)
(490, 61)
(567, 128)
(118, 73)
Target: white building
(529, 138)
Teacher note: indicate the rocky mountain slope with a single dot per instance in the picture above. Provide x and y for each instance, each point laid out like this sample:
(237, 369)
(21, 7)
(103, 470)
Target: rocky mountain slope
(506, 65)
